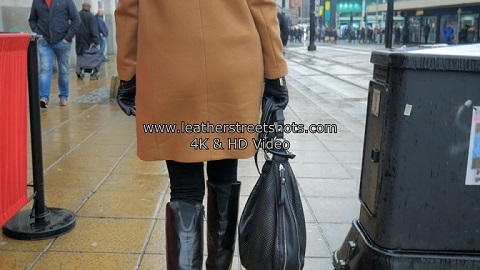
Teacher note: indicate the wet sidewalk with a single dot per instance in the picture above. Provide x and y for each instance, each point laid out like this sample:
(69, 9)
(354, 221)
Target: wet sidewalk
(91, 168)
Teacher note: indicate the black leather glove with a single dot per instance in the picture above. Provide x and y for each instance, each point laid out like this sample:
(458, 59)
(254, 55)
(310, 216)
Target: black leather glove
(277, 89)
(126, 96)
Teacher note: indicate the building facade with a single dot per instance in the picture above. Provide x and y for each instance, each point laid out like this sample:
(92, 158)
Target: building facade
(461, 15)
(412, 15)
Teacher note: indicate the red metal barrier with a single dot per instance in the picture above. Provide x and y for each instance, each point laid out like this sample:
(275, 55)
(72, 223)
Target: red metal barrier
(13, 124)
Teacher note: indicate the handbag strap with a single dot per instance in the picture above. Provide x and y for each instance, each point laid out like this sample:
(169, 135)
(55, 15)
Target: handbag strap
(272, 115)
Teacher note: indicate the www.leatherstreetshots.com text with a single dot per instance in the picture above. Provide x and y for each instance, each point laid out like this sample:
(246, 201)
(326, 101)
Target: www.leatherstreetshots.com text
(238, 143)
(207, 127)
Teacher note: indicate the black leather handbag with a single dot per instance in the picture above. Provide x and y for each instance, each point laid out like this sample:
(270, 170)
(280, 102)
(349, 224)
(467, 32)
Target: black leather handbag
(272, 231)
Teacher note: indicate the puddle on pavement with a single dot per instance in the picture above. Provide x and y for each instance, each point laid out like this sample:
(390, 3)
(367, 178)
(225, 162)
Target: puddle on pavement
(99, 96)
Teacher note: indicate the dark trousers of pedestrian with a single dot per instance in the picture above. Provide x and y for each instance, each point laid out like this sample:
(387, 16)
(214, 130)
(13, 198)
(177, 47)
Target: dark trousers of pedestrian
(184, 214)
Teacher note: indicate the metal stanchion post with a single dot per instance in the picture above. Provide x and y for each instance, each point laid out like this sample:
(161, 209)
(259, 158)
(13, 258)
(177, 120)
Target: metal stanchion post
(389, 26)
(311, 46)
(41, 222)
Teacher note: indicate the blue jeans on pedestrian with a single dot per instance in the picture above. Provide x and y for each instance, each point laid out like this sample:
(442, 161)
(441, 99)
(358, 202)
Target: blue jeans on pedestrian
(46, 51)
(103, 43)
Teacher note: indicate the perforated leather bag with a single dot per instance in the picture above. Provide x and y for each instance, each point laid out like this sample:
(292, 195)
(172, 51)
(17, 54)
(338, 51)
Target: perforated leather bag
(272, 226)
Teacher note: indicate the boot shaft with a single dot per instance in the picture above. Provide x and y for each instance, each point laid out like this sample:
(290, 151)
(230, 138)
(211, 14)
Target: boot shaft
(222, 215)
(184, 232)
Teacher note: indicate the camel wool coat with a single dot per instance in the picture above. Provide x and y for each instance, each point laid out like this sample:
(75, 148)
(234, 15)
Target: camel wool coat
(199, 64)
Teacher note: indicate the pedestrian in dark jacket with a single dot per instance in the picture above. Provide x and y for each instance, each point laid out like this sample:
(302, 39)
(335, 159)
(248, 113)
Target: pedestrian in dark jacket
(462, 35)
(406, 35)
(103, 31)
(397, 35)
(282, 21)
(87, 39)
(88, 32)
(426, 32)
(56, 21)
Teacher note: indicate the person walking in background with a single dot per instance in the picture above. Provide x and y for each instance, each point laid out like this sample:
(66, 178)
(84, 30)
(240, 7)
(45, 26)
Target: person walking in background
(462, 34)
(353, 35)
(449, 34)
(335, 35)
(56, 25)
(369, 34)
(405, 34)
(397, 34)
(298, 33)
(361, 35)
(426, 32)
(103, 31)
(282, 21)
(320, 33)
(292, 34)
(470, 34)
(167, 76)
(87, 35)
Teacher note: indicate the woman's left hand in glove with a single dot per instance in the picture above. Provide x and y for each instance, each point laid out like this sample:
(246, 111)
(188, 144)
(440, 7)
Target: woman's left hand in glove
(277, 88)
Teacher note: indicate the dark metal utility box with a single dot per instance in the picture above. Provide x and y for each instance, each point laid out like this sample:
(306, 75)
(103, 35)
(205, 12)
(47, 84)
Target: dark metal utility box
(420, 179)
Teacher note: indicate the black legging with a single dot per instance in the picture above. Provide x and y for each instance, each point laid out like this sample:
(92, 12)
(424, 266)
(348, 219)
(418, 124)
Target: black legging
(187, 182)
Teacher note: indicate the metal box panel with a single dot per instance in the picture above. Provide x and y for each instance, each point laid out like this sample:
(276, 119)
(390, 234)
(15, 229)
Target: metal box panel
(422, 202)
(373, 147)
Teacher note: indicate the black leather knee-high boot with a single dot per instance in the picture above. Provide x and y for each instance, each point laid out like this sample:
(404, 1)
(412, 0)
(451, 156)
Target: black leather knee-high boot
(184, 231)
(222, 213)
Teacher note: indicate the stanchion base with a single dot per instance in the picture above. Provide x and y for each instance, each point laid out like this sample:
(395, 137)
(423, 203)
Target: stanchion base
(23, 227)
(311, 47)
(359, 252)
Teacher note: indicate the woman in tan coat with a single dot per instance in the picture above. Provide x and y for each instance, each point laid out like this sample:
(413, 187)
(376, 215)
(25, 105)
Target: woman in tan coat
(199, 67)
